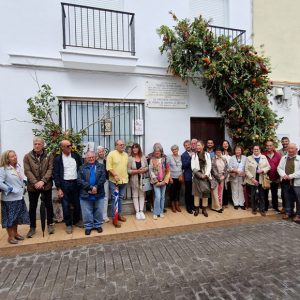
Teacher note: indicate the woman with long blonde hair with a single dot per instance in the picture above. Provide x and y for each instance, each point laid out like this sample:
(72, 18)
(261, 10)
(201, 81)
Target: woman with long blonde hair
(13, 209)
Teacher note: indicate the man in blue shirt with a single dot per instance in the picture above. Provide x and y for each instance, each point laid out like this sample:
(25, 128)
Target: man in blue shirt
(91, 179)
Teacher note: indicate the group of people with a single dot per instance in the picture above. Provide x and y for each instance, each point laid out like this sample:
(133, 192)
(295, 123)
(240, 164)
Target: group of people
(209, 173)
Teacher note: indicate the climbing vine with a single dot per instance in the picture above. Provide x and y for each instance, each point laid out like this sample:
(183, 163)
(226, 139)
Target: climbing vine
(234, 75)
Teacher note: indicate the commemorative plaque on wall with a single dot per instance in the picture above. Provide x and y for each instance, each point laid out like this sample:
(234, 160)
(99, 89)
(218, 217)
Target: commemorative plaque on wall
(166, 93)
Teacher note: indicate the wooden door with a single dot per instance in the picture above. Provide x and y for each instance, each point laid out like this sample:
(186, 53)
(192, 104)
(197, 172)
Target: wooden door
(208, 128)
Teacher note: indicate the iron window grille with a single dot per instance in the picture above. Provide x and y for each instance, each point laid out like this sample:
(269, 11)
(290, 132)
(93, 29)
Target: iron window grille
(105, 120)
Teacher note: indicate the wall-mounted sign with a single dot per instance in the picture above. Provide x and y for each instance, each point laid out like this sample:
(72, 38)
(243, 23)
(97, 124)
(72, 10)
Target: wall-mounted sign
(106, 127)
(138, 127)
(88, 146)
(166, 93)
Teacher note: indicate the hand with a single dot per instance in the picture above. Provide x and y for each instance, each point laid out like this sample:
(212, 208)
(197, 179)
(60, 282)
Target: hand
(94, 190)
(286, 177)
(60, 193)
(39, 185)
(222, 177)
(116, 178)
(171, 181)
(199, 175)
(241, 173)
(259, 171)
(254, 181)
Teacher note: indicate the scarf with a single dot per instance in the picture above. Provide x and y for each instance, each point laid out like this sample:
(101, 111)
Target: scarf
(202, 160)
(257, 159)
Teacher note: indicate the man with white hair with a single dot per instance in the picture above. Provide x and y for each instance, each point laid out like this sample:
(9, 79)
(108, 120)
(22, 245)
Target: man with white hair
(38, 165)
(91, 178)
(289, 171)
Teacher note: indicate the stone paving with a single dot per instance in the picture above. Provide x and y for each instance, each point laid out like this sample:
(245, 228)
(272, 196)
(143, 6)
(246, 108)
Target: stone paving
(257, 261)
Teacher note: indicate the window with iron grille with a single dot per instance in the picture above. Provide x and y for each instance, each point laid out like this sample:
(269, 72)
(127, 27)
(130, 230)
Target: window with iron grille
(105, 120)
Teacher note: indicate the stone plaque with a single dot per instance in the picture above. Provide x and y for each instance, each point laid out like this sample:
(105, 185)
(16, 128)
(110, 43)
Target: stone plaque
(166, 93)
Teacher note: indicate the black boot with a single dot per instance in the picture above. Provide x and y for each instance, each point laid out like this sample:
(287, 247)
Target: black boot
(204, 212)
(196, 213)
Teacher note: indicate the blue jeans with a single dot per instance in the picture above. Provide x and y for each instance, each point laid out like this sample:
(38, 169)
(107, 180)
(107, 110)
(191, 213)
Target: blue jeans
(159, 201)
(92, 213)
(297, 192)
(122, 191)
(71, 196)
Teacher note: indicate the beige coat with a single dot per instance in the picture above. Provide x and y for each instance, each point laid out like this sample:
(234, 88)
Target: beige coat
(134, 179)
(250, 168)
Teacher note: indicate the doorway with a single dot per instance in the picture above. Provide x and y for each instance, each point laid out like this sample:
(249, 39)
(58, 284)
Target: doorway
(208, 128)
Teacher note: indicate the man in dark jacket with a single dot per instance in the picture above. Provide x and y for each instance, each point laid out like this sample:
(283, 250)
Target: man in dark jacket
(65, 168)
(187, 173)
(91, 179)
(38, 165)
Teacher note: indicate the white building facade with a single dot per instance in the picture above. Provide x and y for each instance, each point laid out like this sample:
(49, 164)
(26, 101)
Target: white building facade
(104, 66)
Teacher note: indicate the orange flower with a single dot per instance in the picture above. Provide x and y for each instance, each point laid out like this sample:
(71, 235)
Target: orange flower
(206, 60)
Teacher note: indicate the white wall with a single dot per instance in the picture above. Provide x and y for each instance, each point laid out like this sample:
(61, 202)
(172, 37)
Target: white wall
(168, 126)
(32, 29)
(240, 16)
(290, 111)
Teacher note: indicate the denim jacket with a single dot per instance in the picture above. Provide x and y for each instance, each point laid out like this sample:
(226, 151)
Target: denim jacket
(10, 178)
(83, 181)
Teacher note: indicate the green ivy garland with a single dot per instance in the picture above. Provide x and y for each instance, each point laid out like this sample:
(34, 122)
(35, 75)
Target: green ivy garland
(234, 76)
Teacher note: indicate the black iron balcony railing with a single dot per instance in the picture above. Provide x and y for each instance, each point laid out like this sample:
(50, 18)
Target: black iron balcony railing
(97, 28)
(231, 33)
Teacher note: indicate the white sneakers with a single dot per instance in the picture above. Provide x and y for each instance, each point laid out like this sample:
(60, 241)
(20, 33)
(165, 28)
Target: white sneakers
(155, 216)
(140, 216)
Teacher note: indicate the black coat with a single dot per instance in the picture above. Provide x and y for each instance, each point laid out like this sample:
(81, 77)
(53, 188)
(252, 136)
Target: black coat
(58, 168)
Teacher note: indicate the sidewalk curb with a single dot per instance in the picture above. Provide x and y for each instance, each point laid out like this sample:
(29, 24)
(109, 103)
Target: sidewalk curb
(64, 244)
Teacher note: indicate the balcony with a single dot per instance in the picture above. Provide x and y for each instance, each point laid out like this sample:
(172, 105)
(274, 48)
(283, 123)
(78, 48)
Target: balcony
(231, 33)
(98, 39)
(97, 28)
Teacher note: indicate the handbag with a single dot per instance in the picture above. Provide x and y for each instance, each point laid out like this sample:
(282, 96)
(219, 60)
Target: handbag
(146, 185)
(266, 183)
(181, 178)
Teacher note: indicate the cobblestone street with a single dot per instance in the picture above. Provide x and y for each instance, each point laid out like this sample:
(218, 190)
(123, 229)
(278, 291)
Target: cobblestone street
(260, 261)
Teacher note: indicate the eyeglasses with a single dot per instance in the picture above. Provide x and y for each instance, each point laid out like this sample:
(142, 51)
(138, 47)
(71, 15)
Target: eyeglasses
(120, 144)
(68, 146)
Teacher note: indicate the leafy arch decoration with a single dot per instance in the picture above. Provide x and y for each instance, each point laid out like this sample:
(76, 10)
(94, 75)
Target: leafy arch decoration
(234, 75)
